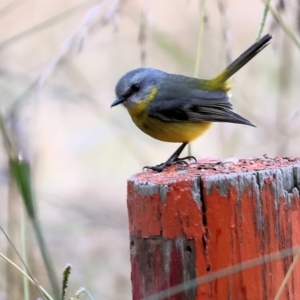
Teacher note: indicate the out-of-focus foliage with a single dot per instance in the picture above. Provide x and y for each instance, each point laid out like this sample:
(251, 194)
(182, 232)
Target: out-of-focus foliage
(59, 66)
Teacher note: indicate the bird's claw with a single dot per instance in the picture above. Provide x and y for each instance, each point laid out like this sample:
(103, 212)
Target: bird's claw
(186, 158)
(157, 168)
(179, 161)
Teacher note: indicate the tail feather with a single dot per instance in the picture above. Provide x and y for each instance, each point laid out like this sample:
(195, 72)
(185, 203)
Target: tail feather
(242, 60)
(247, 55)
(235, 118)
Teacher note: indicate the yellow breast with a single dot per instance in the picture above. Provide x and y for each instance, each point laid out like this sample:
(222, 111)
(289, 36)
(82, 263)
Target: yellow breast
(176, 132)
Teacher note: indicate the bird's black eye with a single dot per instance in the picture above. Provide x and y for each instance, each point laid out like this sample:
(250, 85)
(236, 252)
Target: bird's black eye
(135, 88)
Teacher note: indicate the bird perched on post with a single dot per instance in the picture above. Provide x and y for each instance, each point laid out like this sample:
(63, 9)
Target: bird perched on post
(179, 109)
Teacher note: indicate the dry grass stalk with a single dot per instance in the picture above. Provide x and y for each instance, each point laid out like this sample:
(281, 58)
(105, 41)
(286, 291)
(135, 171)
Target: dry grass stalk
(75, 43)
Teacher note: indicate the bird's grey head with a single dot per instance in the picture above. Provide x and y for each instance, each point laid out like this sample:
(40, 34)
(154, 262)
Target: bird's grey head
(136, 85)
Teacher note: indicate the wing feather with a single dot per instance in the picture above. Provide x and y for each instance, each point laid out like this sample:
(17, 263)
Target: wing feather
(193, 105)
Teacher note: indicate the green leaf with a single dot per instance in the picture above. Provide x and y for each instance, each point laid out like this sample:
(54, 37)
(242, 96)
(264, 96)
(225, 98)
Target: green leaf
(20, 171)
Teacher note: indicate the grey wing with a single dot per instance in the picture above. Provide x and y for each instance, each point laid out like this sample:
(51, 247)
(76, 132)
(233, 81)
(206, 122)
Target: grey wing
(197, 106)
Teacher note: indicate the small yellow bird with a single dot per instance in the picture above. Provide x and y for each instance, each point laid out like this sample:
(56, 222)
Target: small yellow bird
(176, 108)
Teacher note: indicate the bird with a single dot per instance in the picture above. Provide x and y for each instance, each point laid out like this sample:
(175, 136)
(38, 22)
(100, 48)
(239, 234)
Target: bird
(177, 108)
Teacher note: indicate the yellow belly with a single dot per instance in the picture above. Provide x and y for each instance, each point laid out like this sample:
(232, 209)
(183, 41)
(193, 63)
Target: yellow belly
(176, 132)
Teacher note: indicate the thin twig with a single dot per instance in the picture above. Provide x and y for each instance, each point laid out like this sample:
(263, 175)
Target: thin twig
(287, 276)
(200, 34)
(30, 276)
(47, 23)
(252, 263)
(6, 139)
(283, 25)
(263, 22)
(225, 28)
(198, 52)
(26, 275)
(24, 253)
(74, 44)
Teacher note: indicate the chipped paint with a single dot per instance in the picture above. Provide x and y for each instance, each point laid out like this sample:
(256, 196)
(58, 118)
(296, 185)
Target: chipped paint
(196, 190)
(296, 172)
(147, 189)
(187, 225)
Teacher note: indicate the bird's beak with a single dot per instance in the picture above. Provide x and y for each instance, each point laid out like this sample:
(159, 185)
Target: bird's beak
(117, 102)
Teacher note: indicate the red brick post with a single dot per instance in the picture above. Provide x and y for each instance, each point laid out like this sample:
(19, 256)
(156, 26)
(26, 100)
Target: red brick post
(215, 230)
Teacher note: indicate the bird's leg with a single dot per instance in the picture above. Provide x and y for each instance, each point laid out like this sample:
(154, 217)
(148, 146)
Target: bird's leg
(174, 159)
(175, 156)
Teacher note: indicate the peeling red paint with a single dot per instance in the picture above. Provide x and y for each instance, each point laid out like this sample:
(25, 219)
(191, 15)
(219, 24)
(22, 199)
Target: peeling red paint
(250, 209)
(136, 280)
(143, 213)
(176, 271)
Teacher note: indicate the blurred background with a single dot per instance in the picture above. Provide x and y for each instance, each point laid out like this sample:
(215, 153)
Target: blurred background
(59, 63)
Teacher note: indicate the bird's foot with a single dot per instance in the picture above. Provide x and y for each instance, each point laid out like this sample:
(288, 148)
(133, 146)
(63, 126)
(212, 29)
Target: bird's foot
(183, 159)
(157, 168)
(176, 161)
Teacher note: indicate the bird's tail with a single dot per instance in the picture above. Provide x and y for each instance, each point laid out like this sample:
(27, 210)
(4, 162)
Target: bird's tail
(221, 79)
